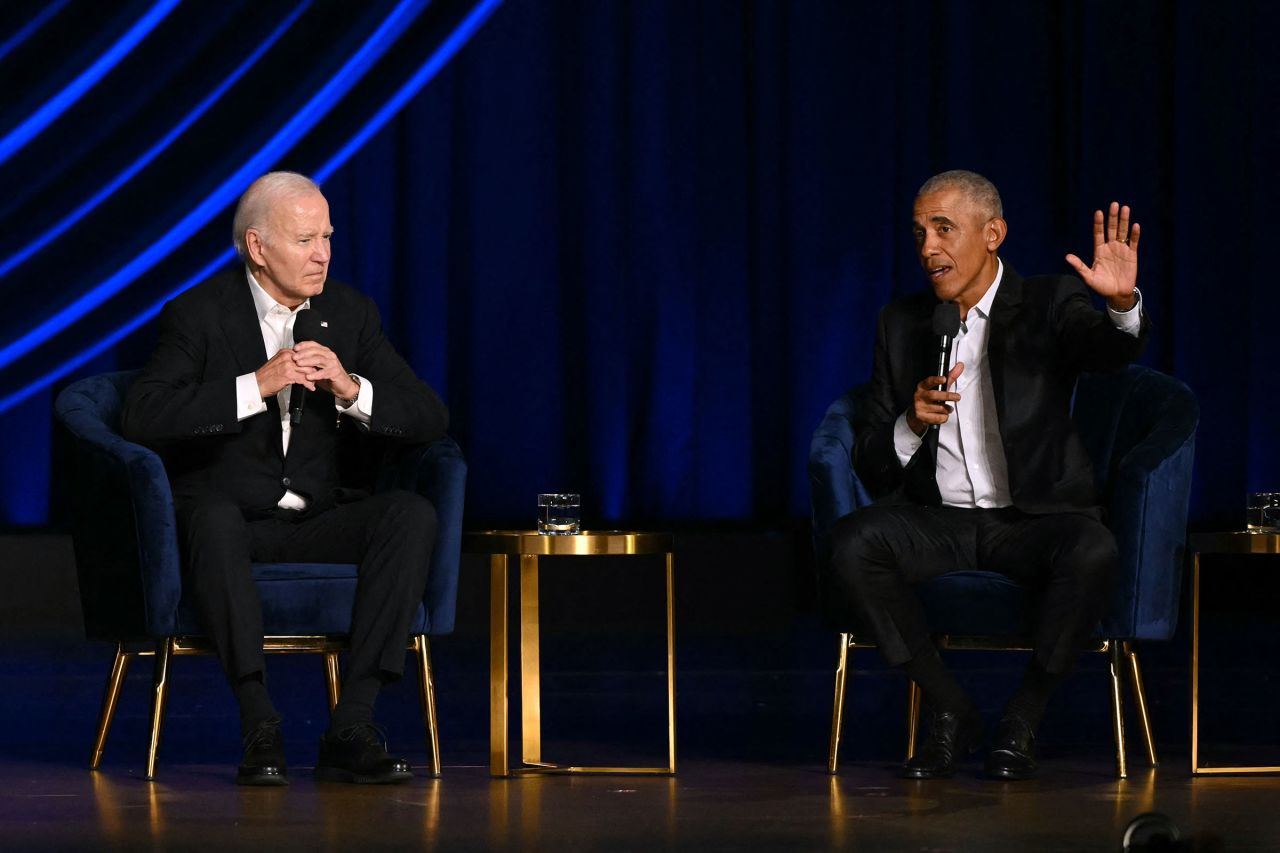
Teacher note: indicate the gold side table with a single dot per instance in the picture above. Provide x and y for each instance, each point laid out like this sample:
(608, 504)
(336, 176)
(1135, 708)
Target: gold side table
(1218, 543)
(504, 545)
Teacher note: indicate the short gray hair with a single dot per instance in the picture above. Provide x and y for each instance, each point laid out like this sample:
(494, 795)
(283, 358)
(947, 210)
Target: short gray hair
(975, 187)
(251, 211)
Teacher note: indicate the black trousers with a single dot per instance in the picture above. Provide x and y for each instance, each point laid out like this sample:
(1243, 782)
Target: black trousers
(389, 535)
(882, 552)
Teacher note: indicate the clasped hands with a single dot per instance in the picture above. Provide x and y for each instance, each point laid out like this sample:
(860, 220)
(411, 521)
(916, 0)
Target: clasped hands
(309, 364)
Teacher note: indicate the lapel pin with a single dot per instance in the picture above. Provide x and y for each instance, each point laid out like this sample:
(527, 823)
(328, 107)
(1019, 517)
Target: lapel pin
(324, 324)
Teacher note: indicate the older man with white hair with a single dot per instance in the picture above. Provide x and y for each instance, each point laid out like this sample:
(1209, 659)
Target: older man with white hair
(254, 482)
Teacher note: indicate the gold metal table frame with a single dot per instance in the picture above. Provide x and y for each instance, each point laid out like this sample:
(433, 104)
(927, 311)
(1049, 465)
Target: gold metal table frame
(528, 545)
(1240, 542)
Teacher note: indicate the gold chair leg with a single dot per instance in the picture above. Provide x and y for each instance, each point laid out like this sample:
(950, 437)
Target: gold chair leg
(119, 668)
(1117, 707)
(426, 682)
(1140, 696)
(160, 686)
(913, 717)
(837, 711)
(332, 679)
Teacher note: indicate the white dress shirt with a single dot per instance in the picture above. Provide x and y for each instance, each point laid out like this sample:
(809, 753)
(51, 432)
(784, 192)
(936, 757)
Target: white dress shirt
(277, 322)
(971, 466)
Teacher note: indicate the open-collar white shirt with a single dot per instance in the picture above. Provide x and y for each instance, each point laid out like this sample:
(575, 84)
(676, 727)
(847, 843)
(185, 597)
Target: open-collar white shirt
(971, 467)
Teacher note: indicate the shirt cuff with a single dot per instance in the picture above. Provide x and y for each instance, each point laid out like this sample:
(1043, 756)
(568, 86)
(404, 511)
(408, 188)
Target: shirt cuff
(360, 409)
(905, 442)
(249, 401)
(1129, 322)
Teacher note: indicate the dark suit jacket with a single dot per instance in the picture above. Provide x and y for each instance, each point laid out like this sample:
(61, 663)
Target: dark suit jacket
(1044, 331)
(184, 402)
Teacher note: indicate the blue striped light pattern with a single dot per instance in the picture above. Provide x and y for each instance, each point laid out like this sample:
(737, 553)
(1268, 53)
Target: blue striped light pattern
(423, 75)
(151, 153)
(312, 112)
(17, 138)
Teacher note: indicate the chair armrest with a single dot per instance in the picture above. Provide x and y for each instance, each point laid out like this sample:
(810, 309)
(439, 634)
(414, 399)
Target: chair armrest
(834, 488)
(438, 472)
(123, 528)
(1148, 514)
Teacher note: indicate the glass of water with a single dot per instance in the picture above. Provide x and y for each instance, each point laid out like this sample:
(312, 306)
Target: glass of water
(559, 514)
(1262, 512)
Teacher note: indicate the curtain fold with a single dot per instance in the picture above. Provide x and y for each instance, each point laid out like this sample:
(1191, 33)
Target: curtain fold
(641, 246)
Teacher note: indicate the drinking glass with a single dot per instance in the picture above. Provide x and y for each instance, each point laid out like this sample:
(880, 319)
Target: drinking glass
(559, 514)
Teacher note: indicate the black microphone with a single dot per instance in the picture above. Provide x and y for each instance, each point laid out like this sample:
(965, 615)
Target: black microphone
(306, 327)
(946, 324)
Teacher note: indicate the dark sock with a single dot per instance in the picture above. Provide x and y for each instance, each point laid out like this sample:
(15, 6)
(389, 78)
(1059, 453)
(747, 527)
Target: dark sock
(1032, 696)
(356, 704)
(255, 702)
(941, 690)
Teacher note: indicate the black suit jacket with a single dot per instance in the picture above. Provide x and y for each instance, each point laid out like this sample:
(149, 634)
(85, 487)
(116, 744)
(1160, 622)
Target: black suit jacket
(1044, 331)
(184, 402)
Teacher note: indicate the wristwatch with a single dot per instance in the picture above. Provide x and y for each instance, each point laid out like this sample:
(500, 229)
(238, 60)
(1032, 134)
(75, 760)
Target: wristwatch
(346, 404)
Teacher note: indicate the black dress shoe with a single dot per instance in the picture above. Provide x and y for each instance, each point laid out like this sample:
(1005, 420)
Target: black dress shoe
(263, 761)
(359, 754)
(1013, 752)
(951, 737)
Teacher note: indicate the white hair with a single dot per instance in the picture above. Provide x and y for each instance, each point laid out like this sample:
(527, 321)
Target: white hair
(254, 206)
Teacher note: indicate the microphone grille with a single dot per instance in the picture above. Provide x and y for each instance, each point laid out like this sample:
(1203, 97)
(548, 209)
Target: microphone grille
(946, 319)
(306, 326)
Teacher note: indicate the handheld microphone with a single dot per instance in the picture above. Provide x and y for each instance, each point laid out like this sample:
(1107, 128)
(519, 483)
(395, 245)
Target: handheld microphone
(306, 327)
(946, 324)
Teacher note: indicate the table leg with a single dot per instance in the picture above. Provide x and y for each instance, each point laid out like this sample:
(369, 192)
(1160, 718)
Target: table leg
(671, 663)
(498, 665)
(530, 663)
(1195, 663)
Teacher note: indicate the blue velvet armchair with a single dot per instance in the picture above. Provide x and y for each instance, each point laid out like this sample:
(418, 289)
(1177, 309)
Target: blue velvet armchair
(1139, 428)
(127, 560)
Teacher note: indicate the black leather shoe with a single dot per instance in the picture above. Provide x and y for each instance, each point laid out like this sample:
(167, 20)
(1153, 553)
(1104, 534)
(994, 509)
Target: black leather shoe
(1013, 752)
(263, 761)
(951, 737)
(359, 754)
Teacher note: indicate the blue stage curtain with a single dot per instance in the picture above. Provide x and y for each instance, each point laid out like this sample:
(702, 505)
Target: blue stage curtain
(641, 246)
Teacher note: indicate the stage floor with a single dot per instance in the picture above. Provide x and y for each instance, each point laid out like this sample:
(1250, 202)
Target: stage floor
(710, 805)
(753, 714)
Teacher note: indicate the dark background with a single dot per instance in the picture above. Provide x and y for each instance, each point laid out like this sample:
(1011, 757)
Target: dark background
(638, 247)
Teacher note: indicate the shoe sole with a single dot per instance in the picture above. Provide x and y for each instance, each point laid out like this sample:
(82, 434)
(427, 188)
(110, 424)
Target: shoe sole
(337, 774)
(910, 774)
(263, 780)
(1009, 775)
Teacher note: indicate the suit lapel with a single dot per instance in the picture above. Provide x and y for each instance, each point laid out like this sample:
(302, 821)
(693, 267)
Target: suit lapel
(1004, 312)
(240, 324)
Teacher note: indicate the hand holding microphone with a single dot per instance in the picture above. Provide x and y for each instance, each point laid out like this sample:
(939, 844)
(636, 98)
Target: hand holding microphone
(306, 327)
(929, 405)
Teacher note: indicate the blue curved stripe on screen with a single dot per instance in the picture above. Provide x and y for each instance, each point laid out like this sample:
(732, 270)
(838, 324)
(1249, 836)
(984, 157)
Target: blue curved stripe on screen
(72, 92)
(42, 17)
(438, 59)
(151, 153)
(460, 35)
(284, 139)
(97, 349)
